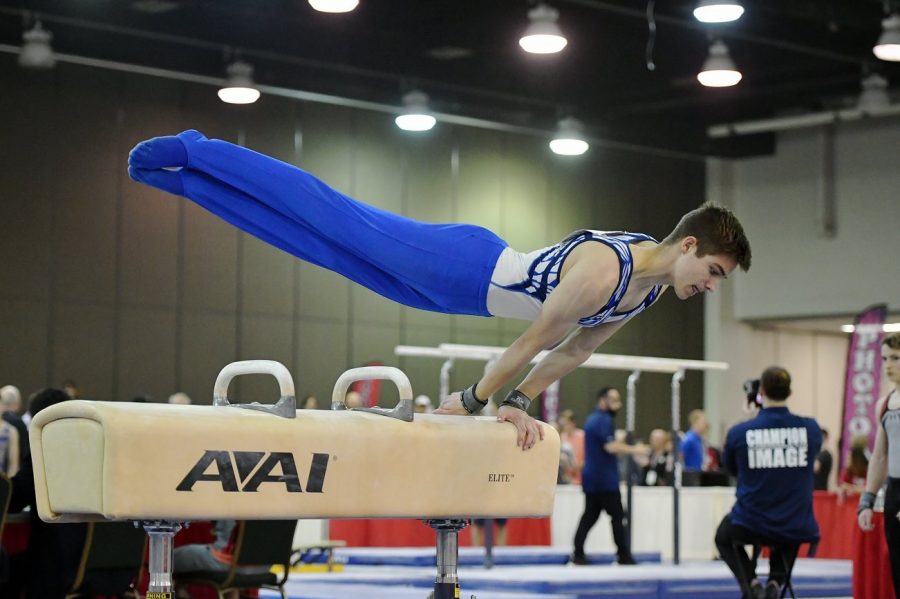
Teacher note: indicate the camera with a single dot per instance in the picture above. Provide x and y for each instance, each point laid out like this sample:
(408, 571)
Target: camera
(751, 391)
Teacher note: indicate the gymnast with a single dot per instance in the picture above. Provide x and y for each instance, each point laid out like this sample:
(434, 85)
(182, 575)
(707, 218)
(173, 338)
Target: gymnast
(577, 293)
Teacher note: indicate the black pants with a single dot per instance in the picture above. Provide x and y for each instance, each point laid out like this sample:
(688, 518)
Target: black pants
(728, 538)
(594, 505)
(892, 529)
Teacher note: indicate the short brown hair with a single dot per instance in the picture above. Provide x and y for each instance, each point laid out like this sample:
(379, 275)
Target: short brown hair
(776, 383)
(892, 340)
(695, 415)
(718, 231)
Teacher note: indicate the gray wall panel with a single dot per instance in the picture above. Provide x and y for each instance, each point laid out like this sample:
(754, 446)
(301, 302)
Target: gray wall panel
(207, 345)
(209, 260)
(29, 157)
(82, 349)
(264, 338)
(146, 353)
(25, 325)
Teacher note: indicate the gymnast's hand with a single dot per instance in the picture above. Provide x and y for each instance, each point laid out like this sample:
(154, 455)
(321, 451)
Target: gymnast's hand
(452, 405)
(529, 430)
(865, 520)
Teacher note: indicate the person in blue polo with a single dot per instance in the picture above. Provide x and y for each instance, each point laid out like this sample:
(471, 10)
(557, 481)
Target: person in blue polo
(600, 475)
(772, 456)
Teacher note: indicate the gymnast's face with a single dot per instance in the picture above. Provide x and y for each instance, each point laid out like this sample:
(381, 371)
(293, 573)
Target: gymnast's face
(695, 274)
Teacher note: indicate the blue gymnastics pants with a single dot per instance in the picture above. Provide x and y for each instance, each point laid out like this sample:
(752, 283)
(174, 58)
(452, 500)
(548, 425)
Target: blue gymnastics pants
(436, 267)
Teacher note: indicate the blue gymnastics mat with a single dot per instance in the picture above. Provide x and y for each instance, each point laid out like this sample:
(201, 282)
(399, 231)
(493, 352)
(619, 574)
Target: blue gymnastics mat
(468, 556)
(813, 578)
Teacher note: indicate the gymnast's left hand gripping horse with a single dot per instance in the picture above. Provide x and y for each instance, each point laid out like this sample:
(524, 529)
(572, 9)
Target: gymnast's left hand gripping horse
(450, 268)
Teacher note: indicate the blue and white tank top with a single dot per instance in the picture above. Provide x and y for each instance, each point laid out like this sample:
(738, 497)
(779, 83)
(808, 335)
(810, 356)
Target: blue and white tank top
(890, 420)
(522, 282)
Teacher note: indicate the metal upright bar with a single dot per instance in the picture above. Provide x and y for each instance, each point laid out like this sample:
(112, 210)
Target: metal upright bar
(630, 407)
(444, 388)
(676, 485)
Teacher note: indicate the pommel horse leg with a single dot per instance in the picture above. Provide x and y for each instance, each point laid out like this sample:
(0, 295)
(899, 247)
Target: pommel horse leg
(446, 585)
(161, 550)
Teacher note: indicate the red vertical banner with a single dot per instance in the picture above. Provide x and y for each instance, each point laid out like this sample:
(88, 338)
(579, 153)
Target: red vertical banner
(369, 389)
(863, 381)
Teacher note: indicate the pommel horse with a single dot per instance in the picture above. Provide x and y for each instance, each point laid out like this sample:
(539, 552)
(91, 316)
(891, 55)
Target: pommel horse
(163, 465)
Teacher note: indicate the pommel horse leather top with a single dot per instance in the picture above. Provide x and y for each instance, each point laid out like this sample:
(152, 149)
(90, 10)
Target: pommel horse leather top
(130, 461)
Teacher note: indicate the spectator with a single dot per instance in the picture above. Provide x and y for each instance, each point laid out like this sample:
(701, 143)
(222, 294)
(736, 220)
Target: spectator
(853, 476)
(658, 471)
(423, 405)
(47, 568)
(180, 399)
(692, 445)
(571, 440)
(499, 539)
(71, 389)
(772, 456)
(822, 467)
(10, 406)
(9, 449)
(216, 556)
(600, 476)
(353, 399)
(310, 402)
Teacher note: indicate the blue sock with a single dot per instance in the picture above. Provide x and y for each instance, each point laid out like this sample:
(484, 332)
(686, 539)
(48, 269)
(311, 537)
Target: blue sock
(160, 178)
(159, 152)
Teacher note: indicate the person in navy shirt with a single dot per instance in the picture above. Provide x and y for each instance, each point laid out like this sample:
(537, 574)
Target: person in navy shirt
(600, 475)
(772, 456)
(692, 446)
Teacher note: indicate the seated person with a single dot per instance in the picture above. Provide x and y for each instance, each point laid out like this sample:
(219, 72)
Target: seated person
(852, 478)
(478, 532)
(216, 556)
(48, 567)
(772, 455)
(658, 470)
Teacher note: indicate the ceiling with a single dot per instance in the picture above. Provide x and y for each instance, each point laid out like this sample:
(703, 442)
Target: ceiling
(796, 56)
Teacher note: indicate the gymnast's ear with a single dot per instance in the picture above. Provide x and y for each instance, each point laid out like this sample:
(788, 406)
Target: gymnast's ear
(688, 243)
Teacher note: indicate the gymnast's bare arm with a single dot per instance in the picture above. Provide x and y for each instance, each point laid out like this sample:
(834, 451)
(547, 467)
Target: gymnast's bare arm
(584, 289)
(877, 471)
(568, 356)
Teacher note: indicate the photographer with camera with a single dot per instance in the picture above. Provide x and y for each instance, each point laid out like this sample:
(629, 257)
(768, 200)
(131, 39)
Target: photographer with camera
(772, 456)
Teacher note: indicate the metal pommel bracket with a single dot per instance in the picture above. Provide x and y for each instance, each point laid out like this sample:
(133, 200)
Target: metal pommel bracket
(404, 408)
(286, 406)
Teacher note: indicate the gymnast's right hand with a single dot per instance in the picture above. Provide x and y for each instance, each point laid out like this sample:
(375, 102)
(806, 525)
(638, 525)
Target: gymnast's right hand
(865, 520)
(528, 430)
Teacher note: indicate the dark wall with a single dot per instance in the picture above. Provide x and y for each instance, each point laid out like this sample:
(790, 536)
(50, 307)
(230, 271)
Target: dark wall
(130, 291)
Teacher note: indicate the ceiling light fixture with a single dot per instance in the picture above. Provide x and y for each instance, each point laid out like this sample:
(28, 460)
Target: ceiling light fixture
(719, 70)
(239, 88)
(888, 46)
(334, 6)
(543, 35)
(569, 140)
(36, 50)
(415, 115)
(874, 96)
(718, 11)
